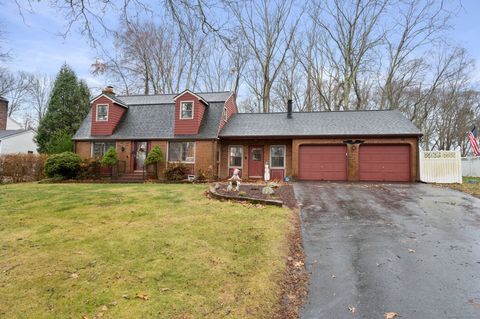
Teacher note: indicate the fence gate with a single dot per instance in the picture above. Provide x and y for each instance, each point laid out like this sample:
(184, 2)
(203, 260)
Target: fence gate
(440, 167)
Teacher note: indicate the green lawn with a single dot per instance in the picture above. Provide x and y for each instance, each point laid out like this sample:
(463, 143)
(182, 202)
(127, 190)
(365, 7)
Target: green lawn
(73, 250)
(470, 188)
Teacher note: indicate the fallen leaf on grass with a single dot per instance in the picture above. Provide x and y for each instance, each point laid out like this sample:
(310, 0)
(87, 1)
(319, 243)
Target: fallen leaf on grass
(84, 317)
(141, 296)
(104, 308)
(351, 308)
(390, 315)
(411, 251)
(164, 289)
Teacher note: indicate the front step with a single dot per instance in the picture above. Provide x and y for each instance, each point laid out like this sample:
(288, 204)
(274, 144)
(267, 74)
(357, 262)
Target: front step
(136, 177)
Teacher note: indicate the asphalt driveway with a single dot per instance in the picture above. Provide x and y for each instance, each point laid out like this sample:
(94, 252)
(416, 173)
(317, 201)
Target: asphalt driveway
(413, 249)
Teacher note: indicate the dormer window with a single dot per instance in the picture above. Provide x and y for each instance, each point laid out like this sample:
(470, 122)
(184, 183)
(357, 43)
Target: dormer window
(186, 110)
(102, 112)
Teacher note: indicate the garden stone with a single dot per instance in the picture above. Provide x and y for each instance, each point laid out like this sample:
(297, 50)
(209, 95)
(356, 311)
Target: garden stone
(267, 190)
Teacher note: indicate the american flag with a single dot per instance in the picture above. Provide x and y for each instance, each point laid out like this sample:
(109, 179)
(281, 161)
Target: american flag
(472, 137)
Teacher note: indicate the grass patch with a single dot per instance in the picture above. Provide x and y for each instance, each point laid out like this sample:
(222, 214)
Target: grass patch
(470, 188)
(69, 250)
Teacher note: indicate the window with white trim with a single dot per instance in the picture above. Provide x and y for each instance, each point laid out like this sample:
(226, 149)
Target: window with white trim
(102, 112)
(225, 114)
(235, 156)
(181, 152)
(186, 110)
(100, 148)
(277, 156)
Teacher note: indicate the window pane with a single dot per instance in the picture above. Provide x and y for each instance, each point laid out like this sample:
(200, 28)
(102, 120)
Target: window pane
(187, 110)
(174, 151)
(108, 146)
(181, 152)
(98, 149)
(277, 156)
(235, 156)
(102, 112)
(188, 152)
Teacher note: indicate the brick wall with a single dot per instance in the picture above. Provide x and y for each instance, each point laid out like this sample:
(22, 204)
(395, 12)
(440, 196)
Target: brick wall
(163, 147)
(84, 149)
(3, 113)
(224, 172)
(203, 157)
(353, 151)
(124, 151)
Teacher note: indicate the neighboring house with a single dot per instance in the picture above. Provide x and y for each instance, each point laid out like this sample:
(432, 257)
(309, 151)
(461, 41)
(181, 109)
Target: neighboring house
(13, 139)
(206, 133)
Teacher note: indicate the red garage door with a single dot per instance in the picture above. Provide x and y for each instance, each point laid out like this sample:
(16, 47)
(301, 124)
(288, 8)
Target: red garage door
(323, 162)
(390, 163)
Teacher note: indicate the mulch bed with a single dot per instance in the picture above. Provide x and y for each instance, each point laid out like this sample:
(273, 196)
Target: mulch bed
(284, 193)
(295, 282)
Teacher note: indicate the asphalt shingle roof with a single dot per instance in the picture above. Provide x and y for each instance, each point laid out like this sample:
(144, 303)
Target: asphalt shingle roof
(7, 133)
(343, 123)
(153, 117)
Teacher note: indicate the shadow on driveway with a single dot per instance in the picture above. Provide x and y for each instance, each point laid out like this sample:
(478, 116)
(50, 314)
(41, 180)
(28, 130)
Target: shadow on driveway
(413, 249)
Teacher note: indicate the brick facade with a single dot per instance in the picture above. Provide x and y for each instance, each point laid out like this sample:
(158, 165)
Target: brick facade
(84, 149)
(225, 147)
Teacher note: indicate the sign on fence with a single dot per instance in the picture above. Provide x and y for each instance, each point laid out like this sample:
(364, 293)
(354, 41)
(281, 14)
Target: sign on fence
(440, 167)
(471, 166)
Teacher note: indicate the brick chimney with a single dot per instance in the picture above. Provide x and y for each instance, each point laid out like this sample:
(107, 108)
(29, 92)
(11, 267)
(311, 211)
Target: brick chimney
(108, 90)
(3, 113)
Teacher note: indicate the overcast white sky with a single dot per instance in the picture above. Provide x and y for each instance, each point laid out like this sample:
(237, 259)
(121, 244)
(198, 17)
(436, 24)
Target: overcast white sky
(35, 45)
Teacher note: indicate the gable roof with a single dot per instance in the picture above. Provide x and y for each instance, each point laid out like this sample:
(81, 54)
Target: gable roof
(9, 133)
(341, 123)
(188, 91)
(111, 97)
(153, 117)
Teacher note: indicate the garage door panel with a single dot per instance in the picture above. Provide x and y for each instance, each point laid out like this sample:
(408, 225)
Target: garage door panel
(384, 163)
(323, 162)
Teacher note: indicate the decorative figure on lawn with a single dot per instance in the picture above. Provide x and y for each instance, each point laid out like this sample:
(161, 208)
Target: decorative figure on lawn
(234, 181)
(266, 176)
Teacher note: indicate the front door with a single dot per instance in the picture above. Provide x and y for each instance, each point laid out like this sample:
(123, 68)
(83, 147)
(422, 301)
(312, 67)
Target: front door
(255, 162)
(139, 155)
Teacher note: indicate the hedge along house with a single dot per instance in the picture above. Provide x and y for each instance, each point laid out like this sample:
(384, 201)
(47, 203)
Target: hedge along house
(205, 132)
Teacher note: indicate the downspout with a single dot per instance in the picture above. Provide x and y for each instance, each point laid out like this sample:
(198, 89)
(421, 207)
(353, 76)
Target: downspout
(213, 159)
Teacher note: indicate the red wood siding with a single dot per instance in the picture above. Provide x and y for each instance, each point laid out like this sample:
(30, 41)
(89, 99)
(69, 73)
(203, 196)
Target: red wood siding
(380, 163)
(231, 106)
(189, 126)
(323, 162)
(115, 113)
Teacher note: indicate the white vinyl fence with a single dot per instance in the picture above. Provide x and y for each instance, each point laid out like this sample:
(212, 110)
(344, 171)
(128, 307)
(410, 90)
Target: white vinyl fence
(440, 167)
(471, 166)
